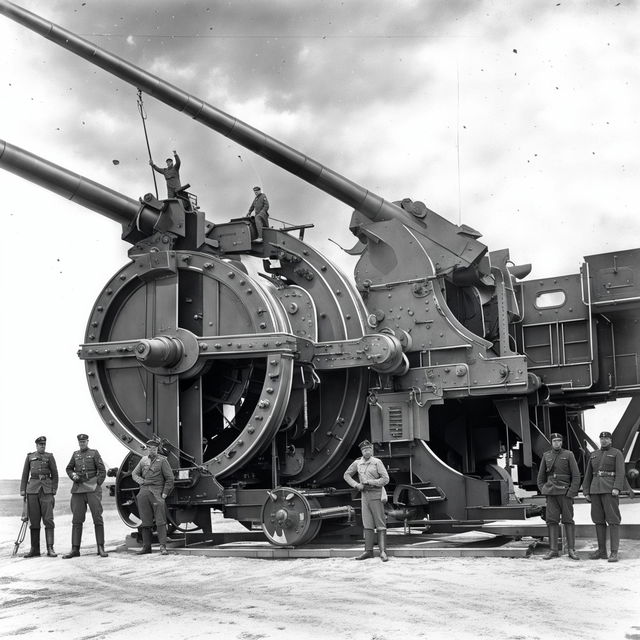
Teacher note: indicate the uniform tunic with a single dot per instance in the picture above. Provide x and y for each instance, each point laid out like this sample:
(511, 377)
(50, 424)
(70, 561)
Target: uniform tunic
(39, 484)
(604, 473)
(373, 475)
(155, 477)
(559, 481)
(87, 489)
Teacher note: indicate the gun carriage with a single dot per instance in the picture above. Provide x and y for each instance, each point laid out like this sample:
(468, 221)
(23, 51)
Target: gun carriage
(259, 387)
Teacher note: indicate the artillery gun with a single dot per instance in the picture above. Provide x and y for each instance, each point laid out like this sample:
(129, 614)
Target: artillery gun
(259, 388)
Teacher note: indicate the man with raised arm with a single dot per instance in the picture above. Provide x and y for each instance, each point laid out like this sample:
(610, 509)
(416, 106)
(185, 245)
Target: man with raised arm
(171, 174)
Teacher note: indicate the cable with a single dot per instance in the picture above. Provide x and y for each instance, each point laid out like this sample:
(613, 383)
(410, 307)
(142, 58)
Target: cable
(143, 115)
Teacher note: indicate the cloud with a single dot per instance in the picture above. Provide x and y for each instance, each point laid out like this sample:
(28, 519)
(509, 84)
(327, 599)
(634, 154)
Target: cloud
(370, 92)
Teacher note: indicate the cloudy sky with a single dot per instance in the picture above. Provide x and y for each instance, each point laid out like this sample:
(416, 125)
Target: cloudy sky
(519, 119)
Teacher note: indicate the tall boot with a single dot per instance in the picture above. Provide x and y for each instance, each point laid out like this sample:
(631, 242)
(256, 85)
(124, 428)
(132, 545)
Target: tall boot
(601, 552)
(48, 536)
(368, 545)
(614, 533)
(76, 540)
(162, 539)
(554, 530)
(382, 543)
(146, 541)
(99, 529)
(571, 541)
(34, 552)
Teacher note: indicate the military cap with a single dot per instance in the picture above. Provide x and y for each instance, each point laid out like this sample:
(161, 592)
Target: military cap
(83, 436)
(365, 444)
(41, 440)
(256, 188)
(153, 443)
(605, 434)
(555, 436)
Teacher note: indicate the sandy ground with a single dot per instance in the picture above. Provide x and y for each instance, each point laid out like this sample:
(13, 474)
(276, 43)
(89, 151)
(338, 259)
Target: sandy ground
(154, 597)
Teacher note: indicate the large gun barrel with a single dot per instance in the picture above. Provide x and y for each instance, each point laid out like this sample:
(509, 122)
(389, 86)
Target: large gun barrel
(369, 204)
(67, 184)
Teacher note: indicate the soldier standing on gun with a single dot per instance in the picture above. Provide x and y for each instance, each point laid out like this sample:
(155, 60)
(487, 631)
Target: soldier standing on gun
(260, 208)
(38, 486)
(603, 480)
(88, 472)
(155, 477)
(171, 174)
(559, 481)
(372, 477)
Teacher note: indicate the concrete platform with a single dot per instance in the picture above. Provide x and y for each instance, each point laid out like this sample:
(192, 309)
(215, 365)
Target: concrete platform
(470, 545)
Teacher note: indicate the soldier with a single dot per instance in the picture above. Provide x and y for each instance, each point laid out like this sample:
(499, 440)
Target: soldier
(171, 174)
(603, 481)
(88, 472)
(372, 477)
(260, 208)
(559, 481)
(38, 486)
(155, 477)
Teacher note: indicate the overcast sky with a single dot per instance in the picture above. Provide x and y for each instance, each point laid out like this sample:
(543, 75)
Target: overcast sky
(519, 119)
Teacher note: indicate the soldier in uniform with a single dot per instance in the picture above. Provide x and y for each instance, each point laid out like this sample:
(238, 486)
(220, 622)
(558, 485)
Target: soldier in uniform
(603, 480)
(260, 208)
(372, 477)
(171, 174)
(88, 472)
(559, 481)
(38, 487)
(155, 477)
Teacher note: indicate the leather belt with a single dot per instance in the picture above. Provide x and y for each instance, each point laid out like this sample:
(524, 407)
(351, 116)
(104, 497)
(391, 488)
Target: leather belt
(41, 476)
(560, 475)
(606, 473)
